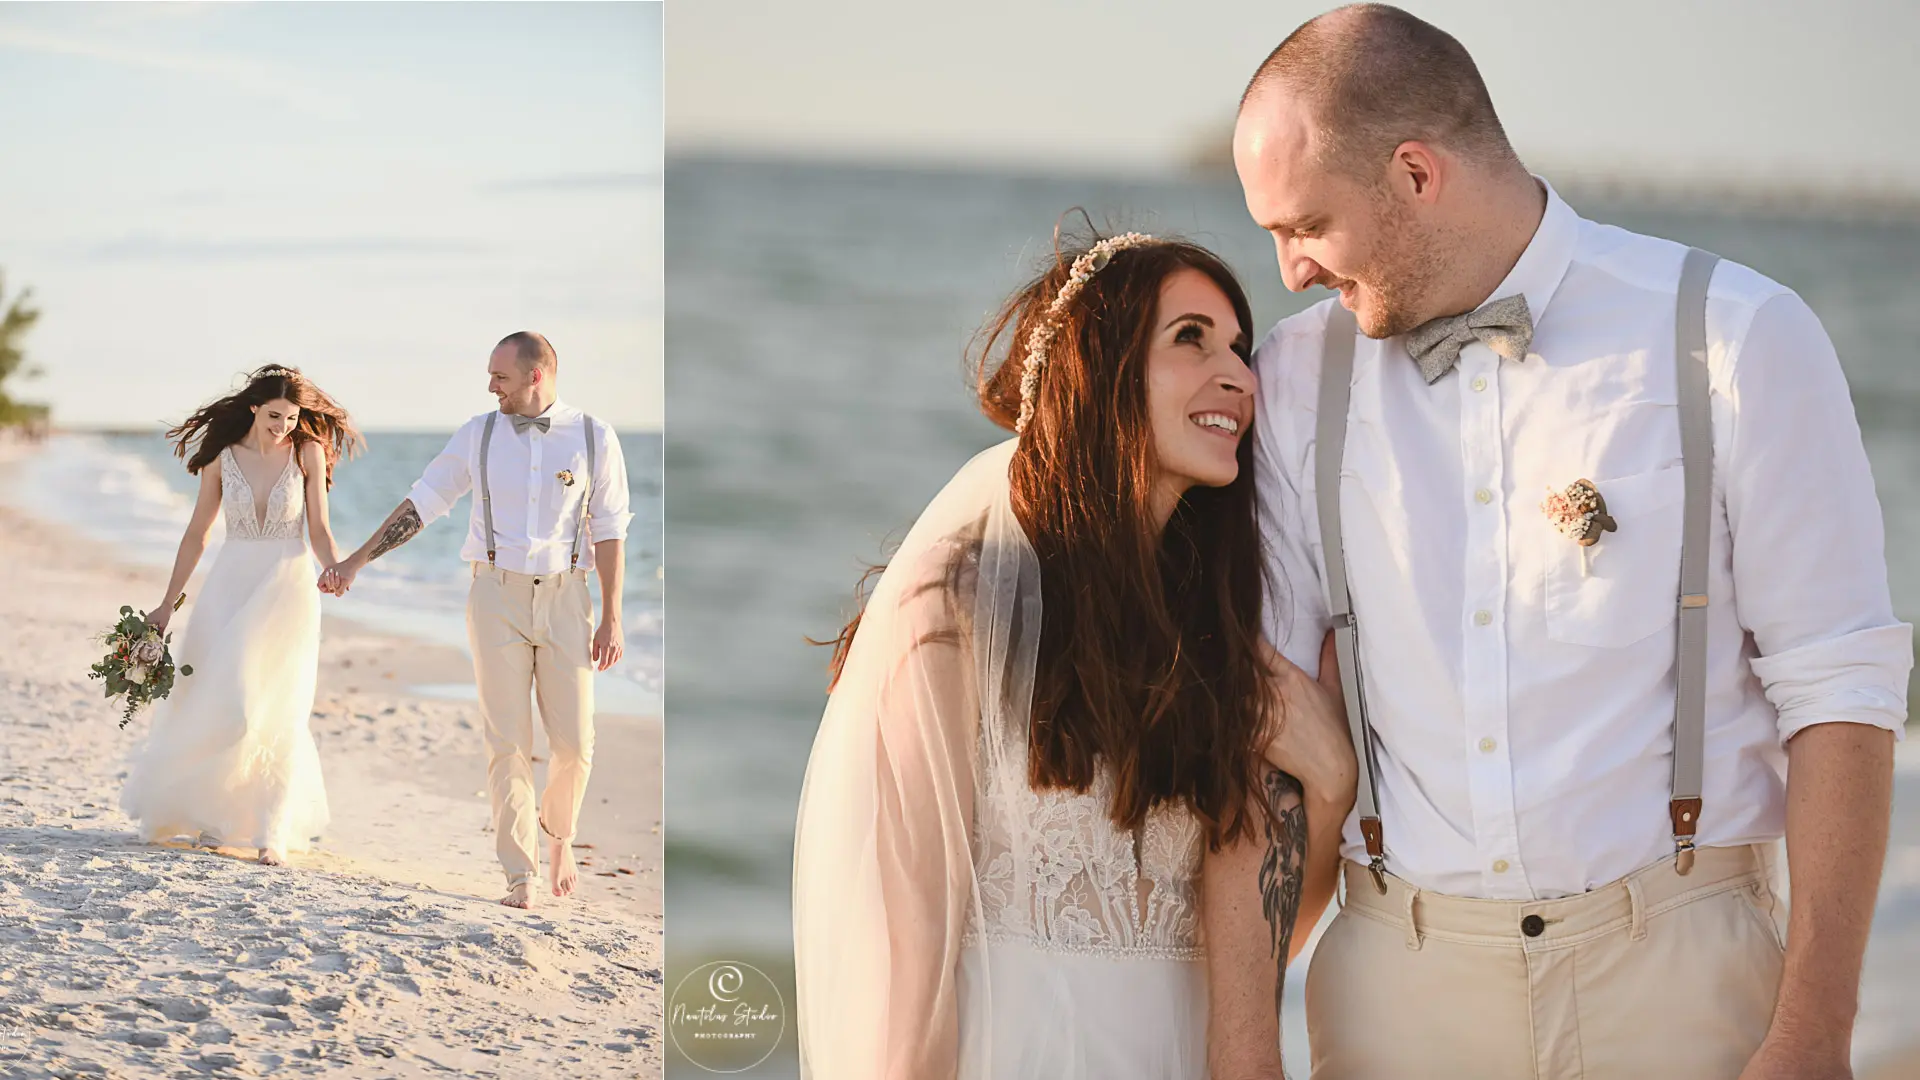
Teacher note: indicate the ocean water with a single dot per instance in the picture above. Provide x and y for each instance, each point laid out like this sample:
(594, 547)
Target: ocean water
(130, 491)
(817, 317)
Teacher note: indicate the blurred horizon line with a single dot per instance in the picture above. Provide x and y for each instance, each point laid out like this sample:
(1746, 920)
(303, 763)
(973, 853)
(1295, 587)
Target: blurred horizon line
(1693, 190)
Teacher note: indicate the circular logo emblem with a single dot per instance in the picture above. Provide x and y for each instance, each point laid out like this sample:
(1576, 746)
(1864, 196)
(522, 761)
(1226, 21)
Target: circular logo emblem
(726, 1016)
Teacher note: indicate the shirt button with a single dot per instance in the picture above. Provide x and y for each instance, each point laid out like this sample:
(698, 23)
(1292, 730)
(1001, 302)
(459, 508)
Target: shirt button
(1482, 618)
(1499, 866)
(1487, 746)
(1483, 495)
(1479, 384)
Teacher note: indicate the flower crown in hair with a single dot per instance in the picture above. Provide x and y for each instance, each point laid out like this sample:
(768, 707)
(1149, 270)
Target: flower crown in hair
(1040, 338)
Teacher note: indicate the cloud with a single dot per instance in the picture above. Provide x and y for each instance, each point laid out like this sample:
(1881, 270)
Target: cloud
(615, 181)
(140, 248)
(261, 80)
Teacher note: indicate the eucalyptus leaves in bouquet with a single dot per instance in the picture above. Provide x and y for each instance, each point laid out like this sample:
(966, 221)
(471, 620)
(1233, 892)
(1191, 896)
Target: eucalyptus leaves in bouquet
(138, 665)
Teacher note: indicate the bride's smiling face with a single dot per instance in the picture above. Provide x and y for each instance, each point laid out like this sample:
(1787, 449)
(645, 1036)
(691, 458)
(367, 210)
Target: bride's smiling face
(1199, 388)
(275, 420)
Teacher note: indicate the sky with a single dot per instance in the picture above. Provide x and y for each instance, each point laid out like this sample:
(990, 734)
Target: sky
(374, 193)
(1759, 92)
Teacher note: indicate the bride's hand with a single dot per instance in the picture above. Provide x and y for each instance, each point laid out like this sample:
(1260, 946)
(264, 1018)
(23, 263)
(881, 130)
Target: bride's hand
(1313, 743)
(160, 617)
(334, 580)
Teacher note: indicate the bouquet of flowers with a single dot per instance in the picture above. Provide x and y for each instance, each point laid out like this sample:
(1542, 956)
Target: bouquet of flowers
(137, 665)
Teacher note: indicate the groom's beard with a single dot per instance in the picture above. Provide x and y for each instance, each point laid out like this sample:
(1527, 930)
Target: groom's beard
(1400, 276)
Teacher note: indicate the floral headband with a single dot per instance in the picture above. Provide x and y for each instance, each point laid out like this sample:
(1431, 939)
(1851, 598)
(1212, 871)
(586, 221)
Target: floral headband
(1040, 338)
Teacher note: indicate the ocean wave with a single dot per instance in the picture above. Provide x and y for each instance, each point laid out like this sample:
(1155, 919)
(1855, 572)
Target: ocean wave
(129, 492)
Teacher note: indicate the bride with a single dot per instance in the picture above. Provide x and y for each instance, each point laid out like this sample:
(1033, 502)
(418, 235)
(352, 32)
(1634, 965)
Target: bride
(1037, 847)
(228, 756)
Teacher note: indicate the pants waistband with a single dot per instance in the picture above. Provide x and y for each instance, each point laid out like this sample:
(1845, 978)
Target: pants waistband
(509, 577)
(1567, 920)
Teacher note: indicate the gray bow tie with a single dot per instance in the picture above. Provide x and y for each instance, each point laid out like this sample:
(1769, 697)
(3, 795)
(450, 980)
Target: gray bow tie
(544, 423)
(1504, 324)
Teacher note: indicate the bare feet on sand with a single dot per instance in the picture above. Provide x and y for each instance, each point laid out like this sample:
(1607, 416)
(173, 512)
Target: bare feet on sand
(520, 896)
(273, 856)
(560, 869)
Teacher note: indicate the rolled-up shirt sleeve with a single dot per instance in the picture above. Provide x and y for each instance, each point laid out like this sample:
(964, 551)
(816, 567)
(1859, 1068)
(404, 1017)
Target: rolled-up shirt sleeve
(607, 513)
(1809, 546)
(446, 478)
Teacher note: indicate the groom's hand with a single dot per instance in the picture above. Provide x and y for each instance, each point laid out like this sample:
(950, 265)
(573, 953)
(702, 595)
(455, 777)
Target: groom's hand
(608, 644)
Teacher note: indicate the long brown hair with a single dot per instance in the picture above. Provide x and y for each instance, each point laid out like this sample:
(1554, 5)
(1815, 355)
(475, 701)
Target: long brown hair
(219, 424)
(1150, 660)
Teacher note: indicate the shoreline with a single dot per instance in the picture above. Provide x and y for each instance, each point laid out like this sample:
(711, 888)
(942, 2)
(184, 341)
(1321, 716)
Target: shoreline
(383, 952)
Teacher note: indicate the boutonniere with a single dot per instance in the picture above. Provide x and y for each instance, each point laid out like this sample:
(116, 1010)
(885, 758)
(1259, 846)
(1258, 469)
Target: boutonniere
(1580, 513)
(565, 476)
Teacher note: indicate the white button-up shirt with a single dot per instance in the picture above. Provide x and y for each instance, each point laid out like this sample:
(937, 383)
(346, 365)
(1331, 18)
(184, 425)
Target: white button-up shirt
(1522, 702)
(536, 514)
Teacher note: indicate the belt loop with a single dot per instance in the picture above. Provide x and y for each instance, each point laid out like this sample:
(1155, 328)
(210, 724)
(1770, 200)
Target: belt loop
(1413, 926)
(1638, 902)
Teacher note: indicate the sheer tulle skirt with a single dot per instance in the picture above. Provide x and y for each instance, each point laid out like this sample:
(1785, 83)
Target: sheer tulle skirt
(1035, 1014)
(230, 751)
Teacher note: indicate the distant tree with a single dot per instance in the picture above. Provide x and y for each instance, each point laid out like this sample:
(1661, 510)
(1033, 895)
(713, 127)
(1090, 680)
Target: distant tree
(14, 324)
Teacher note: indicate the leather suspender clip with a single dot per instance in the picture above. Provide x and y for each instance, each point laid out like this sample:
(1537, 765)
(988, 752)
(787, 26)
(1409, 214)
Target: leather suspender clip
(1376, 853)
(1686, 818)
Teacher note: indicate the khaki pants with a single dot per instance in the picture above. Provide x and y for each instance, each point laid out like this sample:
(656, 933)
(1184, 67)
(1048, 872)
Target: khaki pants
(1655, 975)
(532, 637)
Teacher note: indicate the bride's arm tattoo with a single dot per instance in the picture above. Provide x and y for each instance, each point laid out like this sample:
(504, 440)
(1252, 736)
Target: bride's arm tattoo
(1284, 868)
(402, 525)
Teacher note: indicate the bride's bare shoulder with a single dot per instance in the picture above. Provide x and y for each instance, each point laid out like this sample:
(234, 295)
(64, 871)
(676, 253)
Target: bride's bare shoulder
(311, 457)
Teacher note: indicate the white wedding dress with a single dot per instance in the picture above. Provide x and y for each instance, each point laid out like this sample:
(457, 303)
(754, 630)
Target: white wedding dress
(950, 921)
(229, 752)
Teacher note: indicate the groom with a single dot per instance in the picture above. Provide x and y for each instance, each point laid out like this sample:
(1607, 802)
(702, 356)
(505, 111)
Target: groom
(1532, 418)
(548, 478)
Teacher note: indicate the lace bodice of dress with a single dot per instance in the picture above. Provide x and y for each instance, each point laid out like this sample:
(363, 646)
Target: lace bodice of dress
(1069, 879)
(286, 515)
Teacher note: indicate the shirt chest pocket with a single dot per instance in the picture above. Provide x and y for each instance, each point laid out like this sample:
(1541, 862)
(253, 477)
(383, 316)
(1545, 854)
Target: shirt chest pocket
(1629, 586)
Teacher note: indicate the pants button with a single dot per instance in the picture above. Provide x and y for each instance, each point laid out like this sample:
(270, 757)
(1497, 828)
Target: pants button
(536, 581)
(1533, 926)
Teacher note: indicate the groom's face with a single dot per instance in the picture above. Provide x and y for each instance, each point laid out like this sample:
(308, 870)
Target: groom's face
(510, 379)
(1329, 228)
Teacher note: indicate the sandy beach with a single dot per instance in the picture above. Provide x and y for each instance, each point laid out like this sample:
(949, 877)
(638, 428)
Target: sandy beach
(383, 953)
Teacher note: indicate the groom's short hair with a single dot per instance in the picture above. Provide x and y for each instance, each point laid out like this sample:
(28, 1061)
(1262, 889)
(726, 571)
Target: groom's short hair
(533, 350)
(1374, 77)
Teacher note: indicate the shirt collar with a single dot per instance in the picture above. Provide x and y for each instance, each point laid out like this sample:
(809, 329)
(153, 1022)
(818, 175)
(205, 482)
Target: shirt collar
(1544, 263)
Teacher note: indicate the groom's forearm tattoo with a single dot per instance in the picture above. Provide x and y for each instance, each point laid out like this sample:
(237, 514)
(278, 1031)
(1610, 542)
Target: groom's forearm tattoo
(404, 526)
(1283, 871)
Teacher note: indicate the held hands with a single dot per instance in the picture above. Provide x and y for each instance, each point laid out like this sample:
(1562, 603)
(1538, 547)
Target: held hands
(336, 579)
(1312, 742)
(608, 644)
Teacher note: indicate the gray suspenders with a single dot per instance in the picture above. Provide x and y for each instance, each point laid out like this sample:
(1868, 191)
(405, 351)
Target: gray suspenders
(1696, 443)
(1696, 448)
(1336, 389)
(486, 488)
